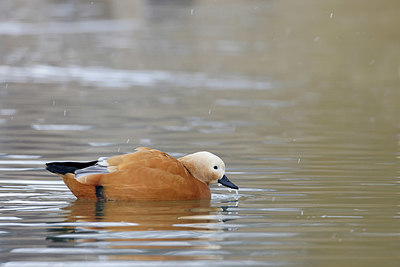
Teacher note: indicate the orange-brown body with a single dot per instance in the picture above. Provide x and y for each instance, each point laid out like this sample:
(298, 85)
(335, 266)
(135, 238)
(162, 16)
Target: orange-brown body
(147, 174)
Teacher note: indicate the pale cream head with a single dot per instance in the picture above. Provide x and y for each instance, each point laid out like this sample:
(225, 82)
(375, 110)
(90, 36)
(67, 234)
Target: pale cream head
(207, 168)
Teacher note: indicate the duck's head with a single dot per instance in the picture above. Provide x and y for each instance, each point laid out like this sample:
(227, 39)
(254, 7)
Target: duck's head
(207, 168)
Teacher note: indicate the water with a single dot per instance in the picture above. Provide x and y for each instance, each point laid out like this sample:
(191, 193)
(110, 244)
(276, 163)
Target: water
(301, 100)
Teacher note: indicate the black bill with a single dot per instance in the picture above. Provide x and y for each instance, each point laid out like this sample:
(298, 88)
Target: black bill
(225, 181)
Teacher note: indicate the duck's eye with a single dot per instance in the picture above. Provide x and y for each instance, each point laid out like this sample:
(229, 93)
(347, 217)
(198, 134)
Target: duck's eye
(215, 168)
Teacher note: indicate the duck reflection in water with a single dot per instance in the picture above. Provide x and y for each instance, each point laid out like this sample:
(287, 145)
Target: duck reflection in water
(144, 230)
(144, 215)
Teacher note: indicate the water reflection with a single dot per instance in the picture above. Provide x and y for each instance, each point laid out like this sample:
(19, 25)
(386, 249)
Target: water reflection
(138, 230)
(123, 79)
(152, 216)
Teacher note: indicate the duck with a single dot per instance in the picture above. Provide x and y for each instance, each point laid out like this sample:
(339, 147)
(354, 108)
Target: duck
(146, 174)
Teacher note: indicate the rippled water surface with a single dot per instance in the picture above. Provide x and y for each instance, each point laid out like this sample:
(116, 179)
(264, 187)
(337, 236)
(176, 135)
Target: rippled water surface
(300, 98)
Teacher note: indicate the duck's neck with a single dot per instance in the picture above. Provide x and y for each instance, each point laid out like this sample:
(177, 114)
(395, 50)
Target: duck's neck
(189, 162)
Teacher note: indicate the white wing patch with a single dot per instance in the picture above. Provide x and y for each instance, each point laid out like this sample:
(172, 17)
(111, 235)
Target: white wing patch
(99, 168)
(102, 161)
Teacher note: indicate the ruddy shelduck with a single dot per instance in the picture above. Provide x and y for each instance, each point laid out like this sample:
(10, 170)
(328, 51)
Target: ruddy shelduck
(147, 174)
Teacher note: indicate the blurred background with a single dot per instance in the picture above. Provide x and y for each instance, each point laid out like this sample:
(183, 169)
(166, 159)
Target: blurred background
(198, 69)
(300, 98)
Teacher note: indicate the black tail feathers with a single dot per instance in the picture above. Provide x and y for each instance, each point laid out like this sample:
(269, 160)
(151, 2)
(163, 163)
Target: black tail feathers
(67, 167)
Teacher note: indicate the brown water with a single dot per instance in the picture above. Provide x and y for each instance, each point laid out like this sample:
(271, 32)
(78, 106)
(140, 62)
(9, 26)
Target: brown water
(300, 98)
